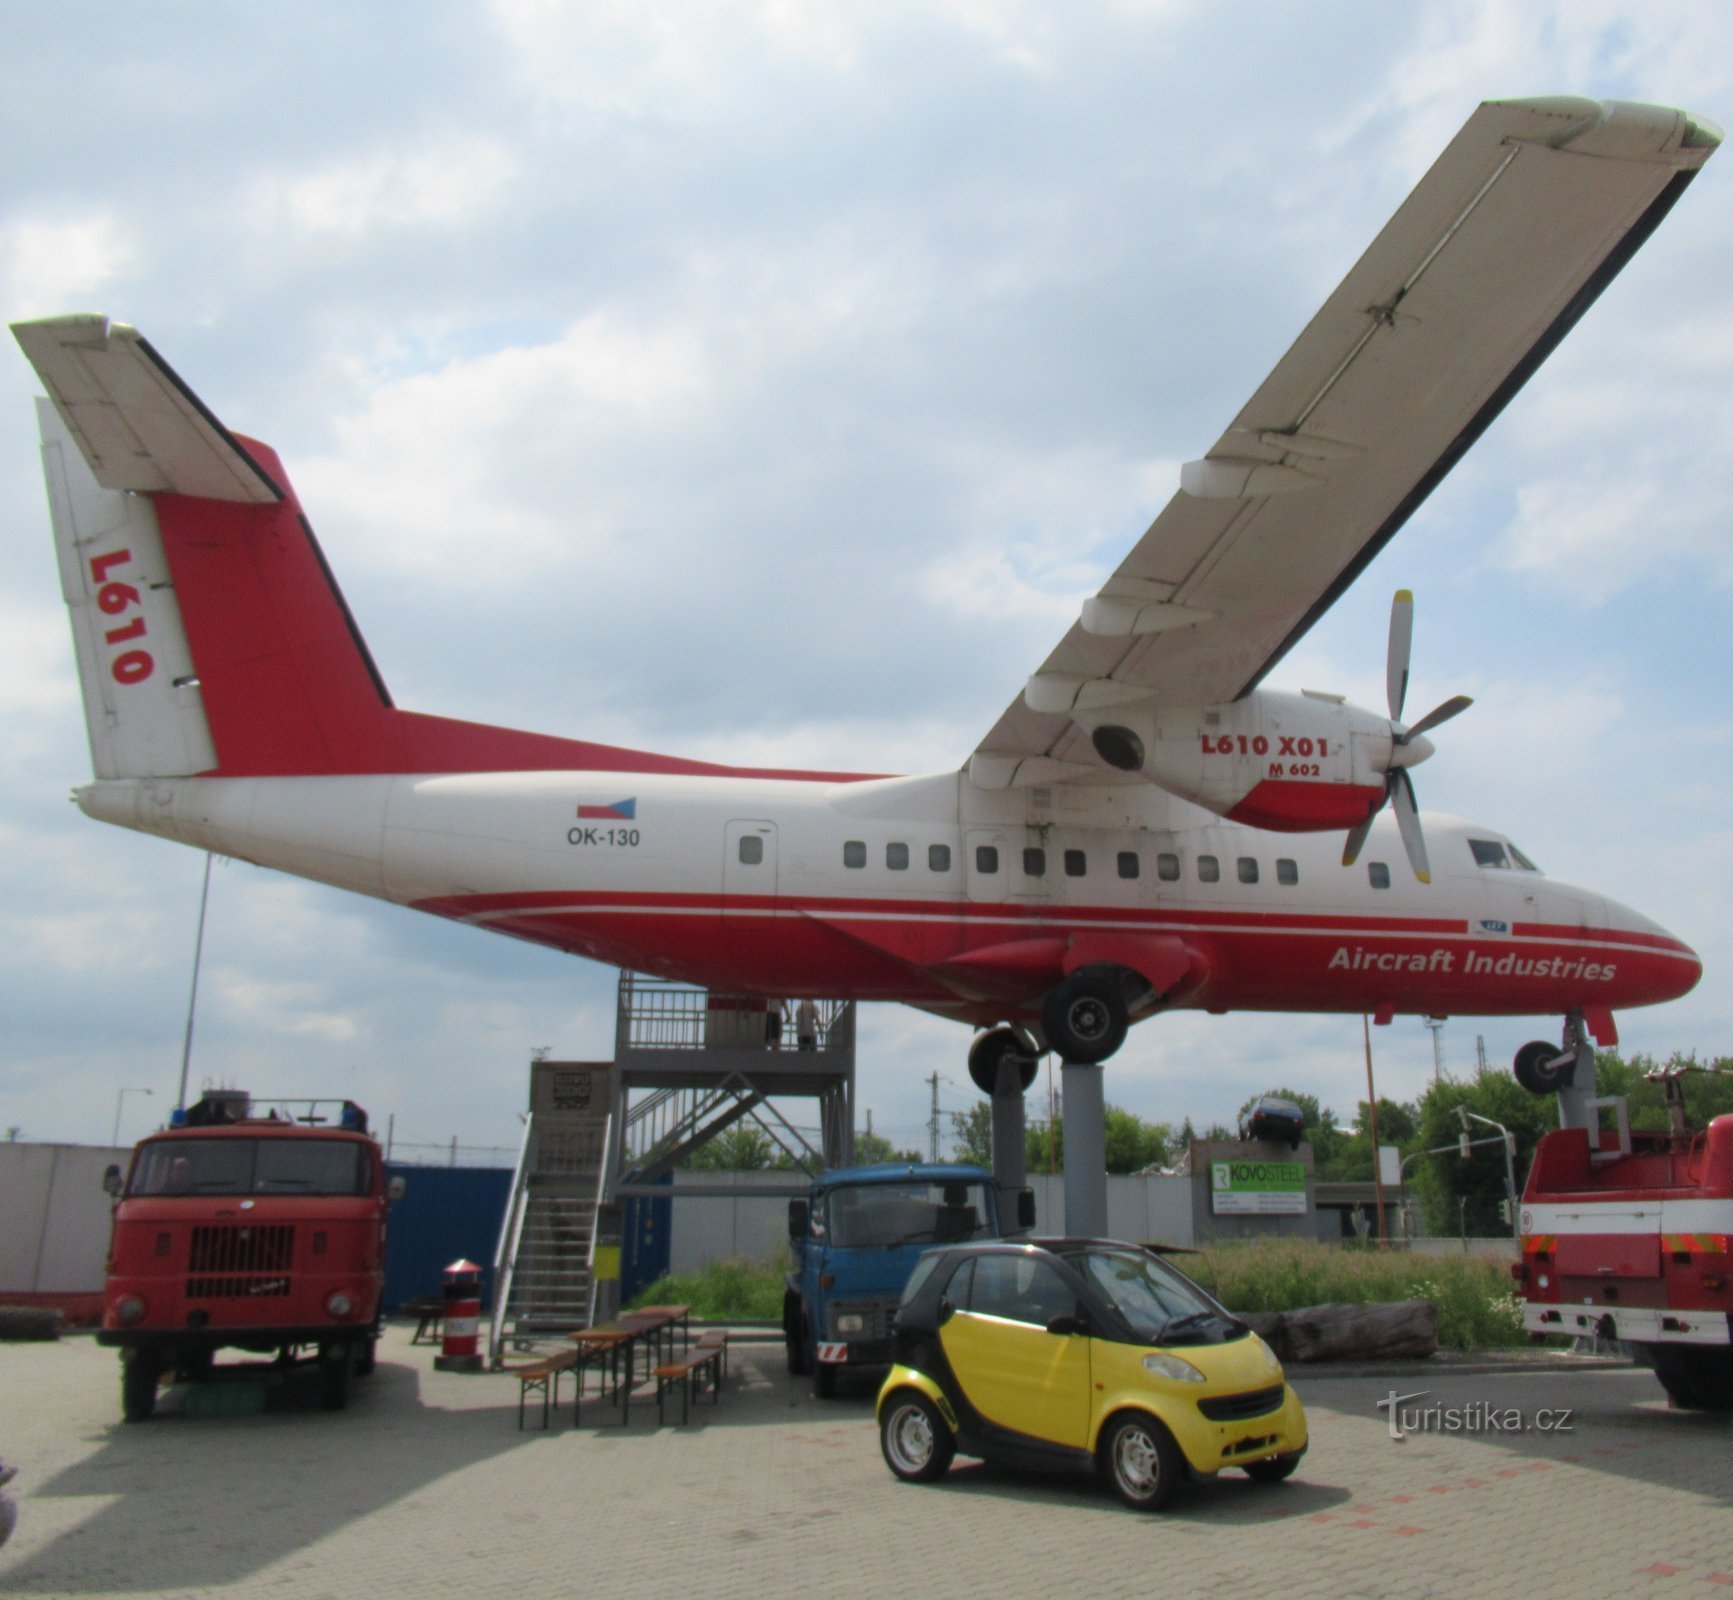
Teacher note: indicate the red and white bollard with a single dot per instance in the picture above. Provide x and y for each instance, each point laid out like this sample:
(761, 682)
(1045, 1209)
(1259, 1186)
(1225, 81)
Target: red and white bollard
(462, 1319)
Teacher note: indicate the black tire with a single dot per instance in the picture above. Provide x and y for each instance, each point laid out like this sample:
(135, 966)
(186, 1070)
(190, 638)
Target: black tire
(989, 1050)
(794, 1338)
(917, 1443)
(336, 1366)
(1273, 1469)
(367, 1356)
(823, 1376)
(1695, 1379)
(139, 1376)
(1141, 1461)
(1085, 1017)
(1540, 1071)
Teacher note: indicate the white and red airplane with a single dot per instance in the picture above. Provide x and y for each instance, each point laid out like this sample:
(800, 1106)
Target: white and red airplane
(1145, 828)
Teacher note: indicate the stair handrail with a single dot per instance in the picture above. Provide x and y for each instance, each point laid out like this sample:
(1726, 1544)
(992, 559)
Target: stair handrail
(505, 1252)
(596, 1219)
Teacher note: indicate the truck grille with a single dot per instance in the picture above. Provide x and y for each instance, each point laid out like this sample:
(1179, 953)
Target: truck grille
(1237, 1407)
(248, 1262)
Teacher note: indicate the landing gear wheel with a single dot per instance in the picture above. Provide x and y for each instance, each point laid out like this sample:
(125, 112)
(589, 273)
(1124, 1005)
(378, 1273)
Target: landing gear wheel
(1543, 1068)
(917, 1444)
(990, 1050)
(336, 1364)
(1273, 1469)
(139, 1375)
(1141, 1462)
(1085, 1017)
(794, 1338)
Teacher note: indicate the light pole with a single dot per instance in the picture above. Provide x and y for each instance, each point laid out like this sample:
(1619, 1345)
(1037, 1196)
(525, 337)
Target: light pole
(119, 1102)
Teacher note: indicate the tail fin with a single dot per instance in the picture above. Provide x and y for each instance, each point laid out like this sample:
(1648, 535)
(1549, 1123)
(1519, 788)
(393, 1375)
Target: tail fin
(211, 636)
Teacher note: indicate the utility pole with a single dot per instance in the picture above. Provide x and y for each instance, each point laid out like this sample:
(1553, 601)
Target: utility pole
(1436, 1024)
(1480, 1050)
(933, 1122)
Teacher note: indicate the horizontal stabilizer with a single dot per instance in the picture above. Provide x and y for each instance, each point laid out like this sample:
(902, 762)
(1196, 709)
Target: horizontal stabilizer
(135, 422)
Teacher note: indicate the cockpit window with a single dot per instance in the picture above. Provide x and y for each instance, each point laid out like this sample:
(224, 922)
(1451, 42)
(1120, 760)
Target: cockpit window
(1522, 861)
(1488, 853)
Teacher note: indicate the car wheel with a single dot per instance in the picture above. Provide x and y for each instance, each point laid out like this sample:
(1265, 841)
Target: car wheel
(1141, 1461)
(1273, 1469)
(917, 1444)
(138, 1385)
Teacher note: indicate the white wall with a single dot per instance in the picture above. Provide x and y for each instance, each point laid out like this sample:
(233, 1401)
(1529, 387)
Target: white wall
(54, 1217)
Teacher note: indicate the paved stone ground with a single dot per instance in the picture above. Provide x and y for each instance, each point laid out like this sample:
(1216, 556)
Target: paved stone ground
(425, 1487)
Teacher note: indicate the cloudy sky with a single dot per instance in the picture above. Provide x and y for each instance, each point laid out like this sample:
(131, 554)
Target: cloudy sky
(767, 382)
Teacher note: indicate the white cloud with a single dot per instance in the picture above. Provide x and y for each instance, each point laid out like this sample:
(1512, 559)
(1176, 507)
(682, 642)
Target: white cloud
(51, 263)
(439, 187)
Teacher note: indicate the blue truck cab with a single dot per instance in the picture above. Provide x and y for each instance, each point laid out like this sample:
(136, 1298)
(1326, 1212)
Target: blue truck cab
(856, 1237)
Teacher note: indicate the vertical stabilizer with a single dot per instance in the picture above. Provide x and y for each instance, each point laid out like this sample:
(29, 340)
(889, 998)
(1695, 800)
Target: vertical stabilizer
(142, 705)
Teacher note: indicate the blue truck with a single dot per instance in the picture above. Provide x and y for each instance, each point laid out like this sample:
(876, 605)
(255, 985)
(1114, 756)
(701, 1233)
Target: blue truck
(856, 1237)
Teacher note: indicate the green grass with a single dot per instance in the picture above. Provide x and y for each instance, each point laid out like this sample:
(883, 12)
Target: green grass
(1476, 1307)
(736, 1290)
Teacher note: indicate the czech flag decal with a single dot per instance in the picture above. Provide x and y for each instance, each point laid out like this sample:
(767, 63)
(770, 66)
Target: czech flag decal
(619, 811)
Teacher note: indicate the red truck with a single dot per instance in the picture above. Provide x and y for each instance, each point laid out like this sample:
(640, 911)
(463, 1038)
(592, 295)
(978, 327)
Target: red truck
(248, 1229)
(1628, 1236)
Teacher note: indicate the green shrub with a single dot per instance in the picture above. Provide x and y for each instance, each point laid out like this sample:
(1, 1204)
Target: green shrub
(736, 1290)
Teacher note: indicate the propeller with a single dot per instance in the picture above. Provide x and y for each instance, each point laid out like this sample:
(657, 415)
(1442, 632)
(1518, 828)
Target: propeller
(1408, 745)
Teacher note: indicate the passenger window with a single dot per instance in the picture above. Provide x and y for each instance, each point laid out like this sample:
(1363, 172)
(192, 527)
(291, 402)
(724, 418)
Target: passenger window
(1248, 869)
(1034, 863)
(897, 857)
(1378, 875)
(1209, 870)
(854, 853)
(1076, 863)
(1167, 867)
(986, 858)
(1488, 853)
(1287, 871)
(1020, 1288)
(1129, 865)
(938, 858)
(751, 849)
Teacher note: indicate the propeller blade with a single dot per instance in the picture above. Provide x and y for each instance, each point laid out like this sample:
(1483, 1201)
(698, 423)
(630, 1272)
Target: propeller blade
(1357, 834)
(1453, 707)
(1408, 821)
(1401, 642)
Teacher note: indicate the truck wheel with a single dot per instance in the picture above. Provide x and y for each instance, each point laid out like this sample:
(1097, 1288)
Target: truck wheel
(1695, 1380)
(794, 1338)
(139, 1374)
(917, 1445)
(823, 1376)
(367, 1356)
(336, 1363)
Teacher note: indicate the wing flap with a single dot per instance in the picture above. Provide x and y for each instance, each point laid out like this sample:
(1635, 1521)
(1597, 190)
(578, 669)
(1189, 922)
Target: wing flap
(137, 425)
(1531, 210)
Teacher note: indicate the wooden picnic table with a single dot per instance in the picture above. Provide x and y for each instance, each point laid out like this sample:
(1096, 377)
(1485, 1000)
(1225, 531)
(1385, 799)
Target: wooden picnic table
(612, 1341)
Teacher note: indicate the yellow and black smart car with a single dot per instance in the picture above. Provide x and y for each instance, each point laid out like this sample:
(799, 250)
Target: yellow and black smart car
(1068, 1353)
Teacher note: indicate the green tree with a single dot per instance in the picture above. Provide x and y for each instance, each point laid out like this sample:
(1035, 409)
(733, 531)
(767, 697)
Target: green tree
(1462, 1194)
(871, 1148)
(972, 1134)
(1350, 1159)
(745, 1147)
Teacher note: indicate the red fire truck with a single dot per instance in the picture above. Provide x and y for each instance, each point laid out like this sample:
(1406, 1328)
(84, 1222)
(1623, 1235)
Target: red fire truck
(248, 1226)
(1626, 1236)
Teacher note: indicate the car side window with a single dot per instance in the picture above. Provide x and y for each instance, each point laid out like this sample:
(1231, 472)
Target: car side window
(1019, 1288)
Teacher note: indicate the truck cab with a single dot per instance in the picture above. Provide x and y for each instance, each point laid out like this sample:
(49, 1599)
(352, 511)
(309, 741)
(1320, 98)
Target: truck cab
(856, 1237)
(263, 1233)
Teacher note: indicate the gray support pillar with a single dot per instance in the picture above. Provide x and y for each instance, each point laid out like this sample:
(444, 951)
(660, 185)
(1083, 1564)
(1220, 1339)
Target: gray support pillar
(1575, 1101)
(1008, 1177)
(1085, 1112)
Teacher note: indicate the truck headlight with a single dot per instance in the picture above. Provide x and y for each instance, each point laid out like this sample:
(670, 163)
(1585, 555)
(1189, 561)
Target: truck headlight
(850, 1322)
(1165, 1366)
(130, 1308)
(338, 1303)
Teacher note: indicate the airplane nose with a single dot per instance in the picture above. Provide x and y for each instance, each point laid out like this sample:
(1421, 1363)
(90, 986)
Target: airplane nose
(1652, 965)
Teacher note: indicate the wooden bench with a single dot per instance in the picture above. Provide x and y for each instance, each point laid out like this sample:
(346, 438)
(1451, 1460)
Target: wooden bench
(702, 1360)
(430, 1315)
(543, 1377)
(715, 1339)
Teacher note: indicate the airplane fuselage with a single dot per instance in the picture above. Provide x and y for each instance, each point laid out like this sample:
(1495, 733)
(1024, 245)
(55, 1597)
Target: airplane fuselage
(932, 892)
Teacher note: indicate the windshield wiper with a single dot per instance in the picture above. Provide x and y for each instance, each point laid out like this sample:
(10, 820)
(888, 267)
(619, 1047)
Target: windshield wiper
(1191, 1319)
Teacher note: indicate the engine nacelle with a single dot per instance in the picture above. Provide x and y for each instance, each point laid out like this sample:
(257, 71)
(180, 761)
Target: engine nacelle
(1293, 763)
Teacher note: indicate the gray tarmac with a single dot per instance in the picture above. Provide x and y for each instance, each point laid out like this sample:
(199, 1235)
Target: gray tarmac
(425, 1487)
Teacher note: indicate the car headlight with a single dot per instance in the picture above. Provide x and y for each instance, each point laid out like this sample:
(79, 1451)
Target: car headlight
(850, 1323)
(1165, 1366)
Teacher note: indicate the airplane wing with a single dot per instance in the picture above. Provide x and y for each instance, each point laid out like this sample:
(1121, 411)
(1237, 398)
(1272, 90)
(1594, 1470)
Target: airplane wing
(1530, 212)
(136, 423)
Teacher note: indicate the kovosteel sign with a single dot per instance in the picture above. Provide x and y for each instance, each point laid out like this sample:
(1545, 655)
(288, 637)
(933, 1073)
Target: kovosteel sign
(1257, 1188)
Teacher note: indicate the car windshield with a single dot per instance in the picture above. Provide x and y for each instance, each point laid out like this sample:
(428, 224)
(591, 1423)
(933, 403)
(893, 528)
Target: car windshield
(251, 1166)
(871, 1216)
(1162, 1306)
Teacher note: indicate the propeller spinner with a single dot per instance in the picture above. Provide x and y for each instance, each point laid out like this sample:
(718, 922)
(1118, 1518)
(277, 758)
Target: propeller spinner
(1408, 745)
